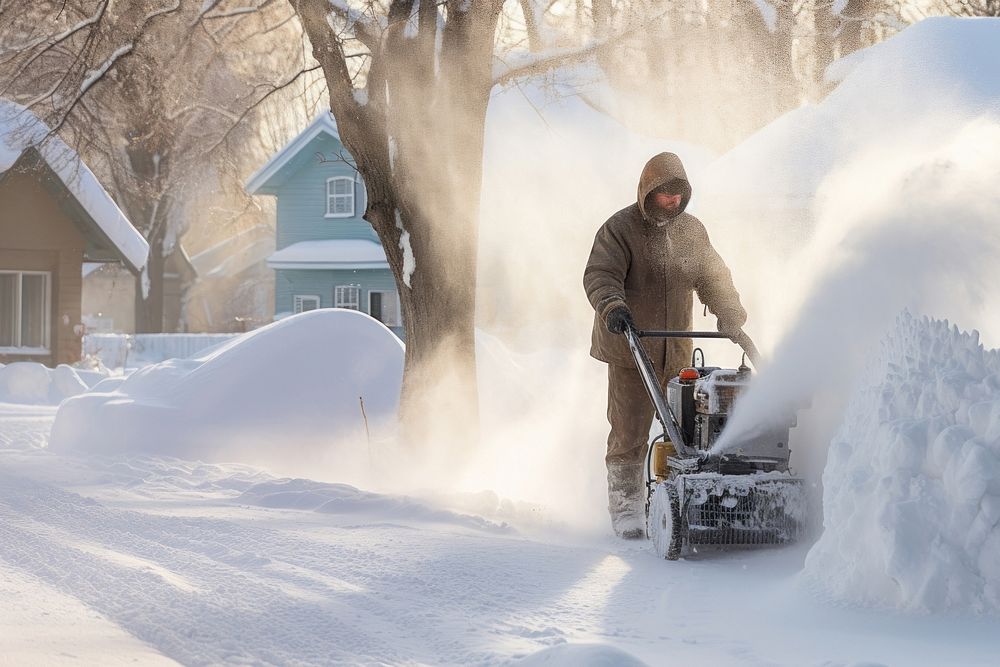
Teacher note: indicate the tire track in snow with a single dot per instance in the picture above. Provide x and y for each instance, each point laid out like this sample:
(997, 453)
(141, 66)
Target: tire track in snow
(238, 614)
(211, 591)
(261, 596)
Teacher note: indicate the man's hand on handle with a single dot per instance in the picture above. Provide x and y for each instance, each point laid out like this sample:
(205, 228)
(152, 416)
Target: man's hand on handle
(619, 319)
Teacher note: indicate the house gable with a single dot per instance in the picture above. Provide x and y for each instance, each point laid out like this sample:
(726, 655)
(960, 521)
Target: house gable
(324, 246)
(302, 211)
(296, 153)
(34, 217)
(27, 145)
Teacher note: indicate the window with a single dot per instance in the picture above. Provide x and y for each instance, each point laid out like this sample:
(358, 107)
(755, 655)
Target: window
(347, 296)
(340, 197)
(306, 302)
(384, 307)
(24, 312)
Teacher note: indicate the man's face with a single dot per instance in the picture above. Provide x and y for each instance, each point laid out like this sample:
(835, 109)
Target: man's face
(667, 203)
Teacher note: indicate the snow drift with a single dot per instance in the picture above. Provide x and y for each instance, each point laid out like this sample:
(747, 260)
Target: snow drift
(912, 485)
(30, 382)
(283, 395)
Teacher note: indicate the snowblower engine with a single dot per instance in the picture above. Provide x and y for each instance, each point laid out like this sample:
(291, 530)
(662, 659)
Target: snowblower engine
(703, 406)
(743, 496)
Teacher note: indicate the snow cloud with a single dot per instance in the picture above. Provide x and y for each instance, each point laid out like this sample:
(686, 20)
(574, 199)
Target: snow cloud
(898, 228)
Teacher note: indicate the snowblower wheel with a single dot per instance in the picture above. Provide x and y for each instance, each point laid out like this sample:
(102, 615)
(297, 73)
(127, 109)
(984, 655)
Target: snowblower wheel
(664, 524)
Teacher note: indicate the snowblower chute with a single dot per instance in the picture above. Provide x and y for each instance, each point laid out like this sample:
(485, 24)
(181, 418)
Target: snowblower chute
(743, 497)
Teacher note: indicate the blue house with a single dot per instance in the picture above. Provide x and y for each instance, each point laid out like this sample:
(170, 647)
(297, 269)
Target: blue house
(326, 255)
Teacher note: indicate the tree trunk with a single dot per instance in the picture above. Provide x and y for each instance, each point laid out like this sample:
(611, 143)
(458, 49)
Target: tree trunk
(149, 302)
(418, 143)
(531, 25)
(825, 25)
(432, 208)
(601, 13)
(853, 17)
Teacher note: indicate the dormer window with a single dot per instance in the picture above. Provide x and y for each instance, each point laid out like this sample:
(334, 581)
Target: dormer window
(340, 197)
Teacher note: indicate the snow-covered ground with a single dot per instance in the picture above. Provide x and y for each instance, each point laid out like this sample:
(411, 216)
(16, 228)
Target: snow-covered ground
(151, 559)
(147, 532)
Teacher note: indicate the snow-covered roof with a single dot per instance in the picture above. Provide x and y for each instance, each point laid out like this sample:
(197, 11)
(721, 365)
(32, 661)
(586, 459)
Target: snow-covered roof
(323, 124)
(330, 254)
(21, 130)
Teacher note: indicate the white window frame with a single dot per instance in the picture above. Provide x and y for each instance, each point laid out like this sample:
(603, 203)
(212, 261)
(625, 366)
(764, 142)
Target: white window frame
(331, 198)
(387, 294)
(299, 299)
(46, 315)
(340, 302)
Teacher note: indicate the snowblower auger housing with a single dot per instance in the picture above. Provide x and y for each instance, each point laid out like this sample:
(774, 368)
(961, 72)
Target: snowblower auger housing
(745, 497)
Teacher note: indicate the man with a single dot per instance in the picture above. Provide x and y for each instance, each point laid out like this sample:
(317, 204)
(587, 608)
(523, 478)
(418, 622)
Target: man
(647, 262)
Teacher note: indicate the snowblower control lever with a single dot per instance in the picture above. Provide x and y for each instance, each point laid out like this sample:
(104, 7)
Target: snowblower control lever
(740, 339)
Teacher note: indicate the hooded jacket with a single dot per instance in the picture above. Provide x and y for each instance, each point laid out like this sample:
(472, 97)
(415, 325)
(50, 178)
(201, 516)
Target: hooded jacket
(654, 267)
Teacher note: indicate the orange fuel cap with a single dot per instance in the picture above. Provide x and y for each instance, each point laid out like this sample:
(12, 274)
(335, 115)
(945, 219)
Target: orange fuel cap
(689, 374)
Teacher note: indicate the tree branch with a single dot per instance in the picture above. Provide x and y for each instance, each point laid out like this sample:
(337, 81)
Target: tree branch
(246, 112)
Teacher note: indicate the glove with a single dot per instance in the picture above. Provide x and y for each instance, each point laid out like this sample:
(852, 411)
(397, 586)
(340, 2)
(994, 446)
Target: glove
(618, 319)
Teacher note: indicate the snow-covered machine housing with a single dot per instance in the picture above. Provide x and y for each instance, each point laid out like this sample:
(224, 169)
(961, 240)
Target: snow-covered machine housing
(744, 496)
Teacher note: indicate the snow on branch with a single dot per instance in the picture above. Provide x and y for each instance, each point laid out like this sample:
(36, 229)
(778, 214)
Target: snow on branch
(95, 75)
(365, 26)
(64, 35)
(160, 12)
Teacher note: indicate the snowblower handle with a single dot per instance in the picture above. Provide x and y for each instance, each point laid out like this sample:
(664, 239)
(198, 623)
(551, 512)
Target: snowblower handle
(664, 414)
(740, 339)
(681, 334)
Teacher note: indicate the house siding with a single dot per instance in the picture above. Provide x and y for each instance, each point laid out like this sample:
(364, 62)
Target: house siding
(301, 205)
(38, 235)
(300, 187)
(292, 282)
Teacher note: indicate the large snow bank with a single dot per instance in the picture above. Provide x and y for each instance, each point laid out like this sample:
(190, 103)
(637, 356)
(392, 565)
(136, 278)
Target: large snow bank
(912, 484)
(285, 393)
(920, 83)
(30, 382)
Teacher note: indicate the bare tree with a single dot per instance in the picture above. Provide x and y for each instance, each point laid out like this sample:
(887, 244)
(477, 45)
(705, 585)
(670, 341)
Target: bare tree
(409, 84)
(152, 92)
(972, 7)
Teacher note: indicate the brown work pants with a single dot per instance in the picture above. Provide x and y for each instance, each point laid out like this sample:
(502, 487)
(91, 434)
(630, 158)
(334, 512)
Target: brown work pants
(630, 413)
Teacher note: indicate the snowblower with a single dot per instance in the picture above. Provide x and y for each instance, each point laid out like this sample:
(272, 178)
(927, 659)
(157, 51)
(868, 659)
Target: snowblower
(745, 496)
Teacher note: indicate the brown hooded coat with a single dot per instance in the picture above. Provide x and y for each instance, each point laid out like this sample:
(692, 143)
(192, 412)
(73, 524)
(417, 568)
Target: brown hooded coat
(654, 267)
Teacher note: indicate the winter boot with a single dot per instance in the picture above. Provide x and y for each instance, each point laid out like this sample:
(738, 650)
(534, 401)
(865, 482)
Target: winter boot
(626, 500)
